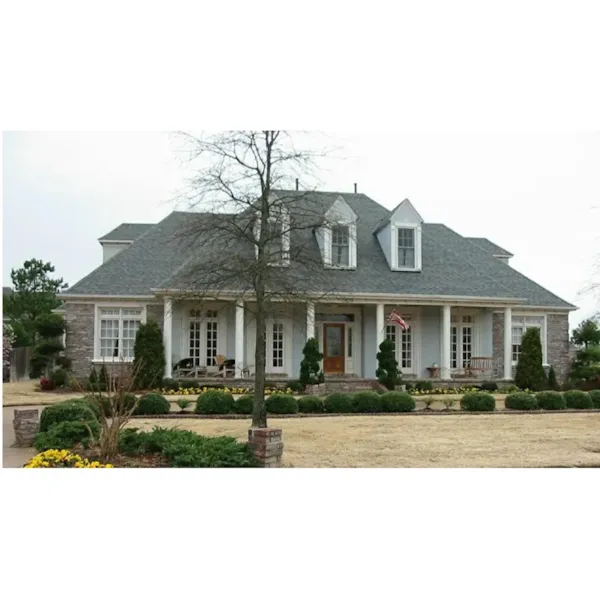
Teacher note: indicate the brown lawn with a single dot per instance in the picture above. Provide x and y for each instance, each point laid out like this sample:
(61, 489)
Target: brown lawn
(427, 441)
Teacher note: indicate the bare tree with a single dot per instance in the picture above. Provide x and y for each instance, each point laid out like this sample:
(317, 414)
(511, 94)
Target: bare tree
(251, 240)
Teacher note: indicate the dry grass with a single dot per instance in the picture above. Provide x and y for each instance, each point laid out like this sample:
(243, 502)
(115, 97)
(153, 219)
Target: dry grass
(431, 441)
(23, 393)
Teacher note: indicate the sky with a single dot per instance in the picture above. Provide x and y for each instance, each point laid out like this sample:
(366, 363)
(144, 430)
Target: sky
(536, 195)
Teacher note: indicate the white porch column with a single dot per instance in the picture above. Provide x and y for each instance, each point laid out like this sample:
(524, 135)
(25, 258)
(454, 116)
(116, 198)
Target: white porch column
(310, 320)
(239, 338)
(445, 359)
(168, 336)
(508, 343)
(379, 324)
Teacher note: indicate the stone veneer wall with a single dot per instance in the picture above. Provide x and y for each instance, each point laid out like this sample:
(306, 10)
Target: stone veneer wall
(558, 348)
(80, 333)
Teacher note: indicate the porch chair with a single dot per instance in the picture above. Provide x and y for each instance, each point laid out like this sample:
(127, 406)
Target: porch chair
(224, 366)
(481, 367)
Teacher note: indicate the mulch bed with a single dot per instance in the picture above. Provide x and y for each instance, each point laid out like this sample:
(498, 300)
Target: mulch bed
(421, 412)
(145, 461)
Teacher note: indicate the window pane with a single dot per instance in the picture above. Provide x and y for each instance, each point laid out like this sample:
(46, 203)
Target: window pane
(390, 334)
(453, 347)
(211, 343)
(195, 342)
(406, 359)
(277, 355)
(349, 342)
(334, 341)
(340, 245)
(274, 242)
(467, 346)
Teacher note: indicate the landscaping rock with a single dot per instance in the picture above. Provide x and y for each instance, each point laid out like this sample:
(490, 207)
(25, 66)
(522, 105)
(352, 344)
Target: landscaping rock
(26, 424)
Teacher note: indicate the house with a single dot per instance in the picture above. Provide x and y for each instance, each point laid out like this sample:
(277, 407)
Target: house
(459, 295)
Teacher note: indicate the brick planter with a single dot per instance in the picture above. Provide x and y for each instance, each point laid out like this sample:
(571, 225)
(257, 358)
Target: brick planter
(266, 445)
(26, 424)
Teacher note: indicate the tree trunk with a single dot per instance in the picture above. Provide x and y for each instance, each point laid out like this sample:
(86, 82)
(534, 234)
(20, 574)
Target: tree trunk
(259, 412)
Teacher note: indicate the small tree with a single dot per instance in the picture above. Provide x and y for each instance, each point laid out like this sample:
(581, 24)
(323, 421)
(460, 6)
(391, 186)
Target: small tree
(552, 383)
(587, 333)
(8, 339)
(387, 370)
(149, 355)
(310, 370)
(48, 330)
(530, 372)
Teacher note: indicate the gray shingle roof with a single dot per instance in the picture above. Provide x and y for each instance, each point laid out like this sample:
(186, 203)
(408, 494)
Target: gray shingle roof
(452, 265)
(489, 247)
(126, 232)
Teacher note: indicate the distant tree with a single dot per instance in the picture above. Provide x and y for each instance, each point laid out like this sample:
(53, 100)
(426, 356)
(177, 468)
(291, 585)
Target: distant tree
(530, 371)
(34, 296)
(387, 370)
(149, 356)
(587, 333)
(8, 339)
(310, 369)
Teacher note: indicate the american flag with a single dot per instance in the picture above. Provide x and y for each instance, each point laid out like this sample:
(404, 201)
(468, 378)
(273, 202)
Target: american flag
(394, 317)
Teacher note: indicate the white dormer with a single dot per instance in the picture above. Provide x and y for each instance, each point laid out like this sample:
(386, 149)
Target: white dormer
(400, 238)
(337, 236)
(278, 245)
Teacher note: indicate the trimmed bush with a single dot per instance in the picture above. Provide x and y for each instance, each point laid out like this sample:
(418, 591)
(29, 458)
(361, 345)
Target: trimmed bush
(530, 373)
(66, 411)
(149, 355)
(578, 399)
(339, 402)
(170, 384)
(153, 404)
(551, 401)
(214, 402)
(423, 386)
(310, 368)
(296, 386)
(311, 404)
(397, 402)
(89, 404)
(552, 383)
(387, 366)
(521, 401)
(187, 449)
(367, 402)
(489, 386)
(190, 384)
(595, 396)
(66, 435)
(59, 377)
(478, 402)
(282, 404)
(244, 405)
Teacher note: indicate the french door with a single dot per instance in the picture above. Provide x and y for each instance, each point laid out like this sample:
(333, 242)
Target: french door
(461, 345)
(403, 346)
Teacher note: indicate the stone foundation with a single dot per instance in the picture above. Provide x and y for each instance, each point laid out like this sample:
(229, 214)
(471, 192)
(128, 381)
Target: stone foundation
(26, 424)
(266, 445)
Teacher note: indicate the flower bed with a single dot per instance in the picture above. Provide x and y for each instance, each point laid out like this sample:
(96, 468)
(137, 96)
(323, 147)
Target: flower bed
(63, 459)
(195, 391)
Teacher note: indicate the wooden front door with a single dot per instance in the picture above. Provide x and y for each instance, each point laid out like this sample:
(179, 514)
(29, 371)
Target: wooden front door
(333, 348)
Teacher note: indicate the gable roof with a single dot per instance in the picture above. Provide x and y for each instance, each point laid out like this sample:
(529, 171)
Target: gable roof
(490, 247)
(452, 265)
(126, 232)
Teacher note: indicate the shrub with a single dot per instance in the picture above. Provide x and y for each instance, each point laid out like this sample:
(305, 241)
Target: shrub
(47, 385)
(339, 402)
(367, 402)
(478, 402)
(489, 386)
(187, 449)
(530, 372)
(66, 411)
(578, 399)
(67, 434)
(310, 369)
(64, 361)
(311, 404)
(190, 384)
(397, 402)
(59, 377)
(387, 366)
(183, 403)
(282, 404)
(149, 355)
(295, 386)
(551, 400)
(423, 386)
(170, 384)
(214, 402)
(521, 401)
(108, 405)
(63, 459)
(244, 405)
(50, 325)
(552, 383)
(152, 404)
(595, 396)
(87, 402)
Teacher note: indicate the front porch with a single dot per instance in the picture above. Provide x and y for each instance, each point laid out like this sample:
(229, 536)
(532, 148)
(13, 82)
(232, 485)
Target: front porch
(443, 342)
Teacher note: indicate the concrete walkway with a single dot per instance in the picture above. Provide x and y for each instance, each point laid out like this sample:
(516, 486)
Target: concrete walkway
(13, 457)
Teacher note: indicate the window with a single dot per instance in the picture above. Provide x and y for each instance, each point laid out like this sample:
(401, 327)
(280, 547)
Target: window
(277, 345)
(349, 329)
(340, 246)
(203, 353)
(406, 248)
(404, 352)
(211, 338)
(274, 242)
(519, 326)
(461, 341)
(118, 327)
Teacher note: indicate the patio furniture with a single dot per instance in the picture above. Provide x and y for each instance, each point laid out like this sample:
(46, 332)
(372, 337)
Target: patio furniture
(433, 372)
(225, 367)
(185, 369)
(481, 366)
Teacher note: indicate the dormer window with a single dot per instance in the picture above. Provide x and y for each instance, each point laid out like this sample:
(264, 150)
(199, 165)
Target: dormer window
(340, 246)
(274, 243)
(406, 248)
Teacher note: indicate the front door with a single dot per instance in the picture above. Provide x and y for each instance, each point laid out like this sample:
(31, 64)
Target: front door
(333, 348)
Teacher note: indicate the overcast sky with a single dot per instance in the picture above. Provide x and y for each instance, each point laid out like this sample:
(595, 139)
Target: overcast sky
(537, 195)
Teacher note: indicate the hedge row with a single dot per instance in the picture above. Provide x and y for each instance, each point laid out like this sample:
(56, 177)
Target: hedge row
(574, 399)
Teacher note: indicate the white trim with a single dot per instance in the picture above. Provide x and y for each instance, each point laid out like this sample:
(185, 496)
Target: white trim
(543, 333)
(168, 336)
(107, 305)
(417, 249)
(104, 241)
